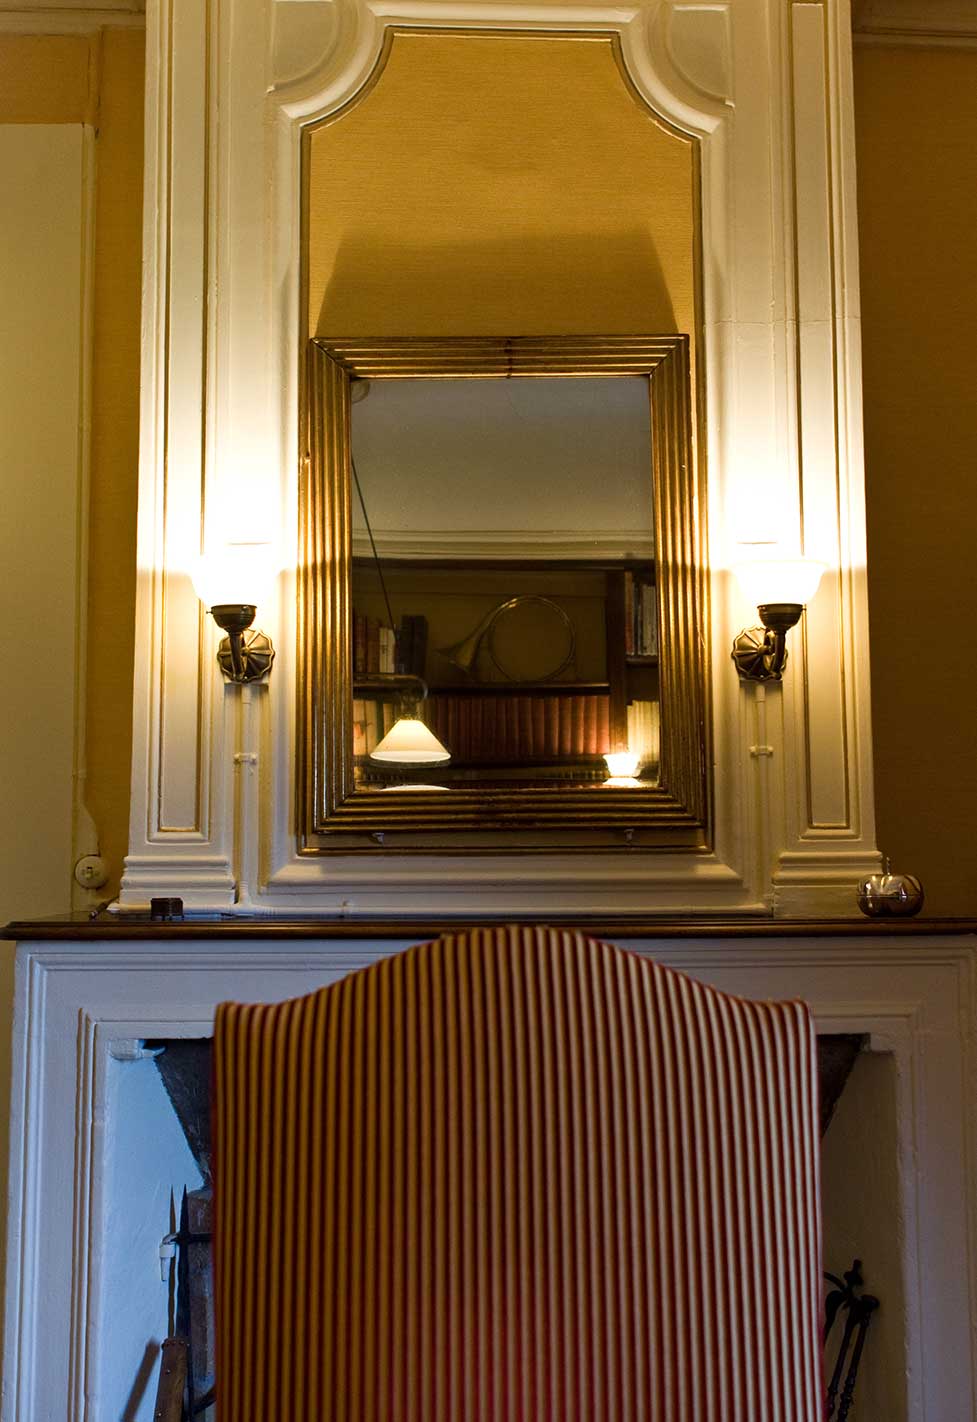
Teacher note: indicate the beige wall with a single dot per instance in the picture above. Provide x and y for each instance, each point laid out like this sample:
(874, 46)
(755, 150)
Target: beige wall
(916, 113)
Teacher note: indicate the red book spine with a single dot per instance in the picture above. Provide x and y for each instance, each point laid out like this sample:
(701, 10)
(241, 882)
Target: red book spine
(478, 735)
(539, 727)
(359, 644)
(552, 727)
(603, 724)
(525, 727)
(579, 734)
(465, 724)
(590, 726)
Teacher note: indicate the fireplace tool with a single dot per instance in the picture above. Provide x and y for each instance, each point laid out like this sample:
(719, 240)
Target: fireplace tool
(845, 1298)
(185, 1392)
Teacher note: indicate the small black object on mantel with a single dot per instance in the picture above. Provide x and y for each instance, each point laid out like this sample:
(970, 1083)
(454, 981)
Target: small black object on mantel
(165, 910)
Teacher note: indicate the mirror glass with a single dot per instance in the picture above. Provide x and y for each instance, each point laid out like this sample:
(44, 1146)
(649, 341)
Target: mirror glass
(508, 597)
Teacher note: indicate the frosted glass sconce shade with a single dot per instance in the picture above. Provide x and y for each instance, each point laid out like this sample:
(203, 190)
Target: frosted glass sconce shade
(779, 588)
(779, 580)
(235, 573)
(231, 581)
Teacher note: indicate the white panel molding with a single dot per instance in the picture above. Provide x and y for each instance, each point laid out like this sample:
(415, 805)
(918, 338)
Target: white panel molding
(180, 819)
(829, 838)
(915, 998)
(771, 359)
(930, 23)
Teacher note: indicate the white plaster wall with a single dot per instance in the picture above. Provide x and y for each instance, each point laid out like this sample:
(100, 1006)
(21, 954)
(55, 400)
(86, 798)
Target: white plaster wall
(146, 1156)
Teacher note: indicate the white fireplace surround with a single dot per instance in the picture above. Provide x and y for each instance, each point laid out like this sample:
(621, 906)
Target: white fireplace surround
(913, 995)
(764, 89)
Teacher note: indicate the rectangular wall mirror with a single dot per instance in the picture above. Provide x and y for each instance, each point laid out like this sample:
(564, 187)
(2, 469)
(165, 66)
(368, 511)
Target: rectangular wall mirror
(502, 590)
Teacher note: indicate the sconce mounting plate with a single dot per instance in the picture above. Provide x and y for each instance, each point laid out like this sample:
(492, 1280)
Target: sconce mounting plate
(760, 653)
(751, 653)
(255, 657)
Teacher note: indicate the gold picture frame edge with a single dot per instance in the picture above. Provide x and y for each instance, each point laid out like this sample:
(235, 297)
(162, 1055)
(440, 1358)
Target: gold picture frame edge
(325, 793)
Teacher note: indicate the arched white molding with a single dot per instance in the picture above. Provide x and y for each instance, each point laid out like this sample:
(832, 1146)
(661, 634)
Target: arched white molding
(700, 46)
(643, 30)
(668, 88)
(303, 36)
(341, 72)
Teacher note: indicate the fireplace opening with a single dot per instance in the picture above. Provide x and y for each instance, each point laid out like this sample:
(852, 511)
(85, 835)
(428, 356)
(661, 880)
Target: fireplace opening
(863, 1216)
(156, 1278)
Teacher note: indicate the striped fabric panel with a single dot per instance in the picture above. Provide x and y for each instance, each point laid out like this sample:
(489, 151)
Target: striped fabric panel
(517, 1176)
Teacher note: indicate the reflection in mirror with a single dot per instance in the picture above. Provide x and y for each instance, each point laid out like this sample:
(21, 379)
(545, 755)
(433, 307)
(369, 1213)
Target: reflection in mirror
(503, 583)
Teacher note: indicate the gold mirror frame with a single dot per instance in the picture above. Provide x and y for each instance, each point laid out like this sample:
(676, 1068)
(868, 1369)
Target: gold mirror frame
(333, 815)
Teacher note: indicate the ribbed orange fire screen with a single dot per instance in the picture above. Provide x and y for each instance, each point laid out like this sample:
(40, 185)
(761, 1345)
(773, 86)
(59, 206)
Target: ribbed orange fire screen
(516, 1175)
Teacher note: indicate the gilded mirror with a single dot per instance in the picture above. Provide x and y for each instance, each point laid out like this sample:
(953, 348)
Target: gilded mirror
(502, 591)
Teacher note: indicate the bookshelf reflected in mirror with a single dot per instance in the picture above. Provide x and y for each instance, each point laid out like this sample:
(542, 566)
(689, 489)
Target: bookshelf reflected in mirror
(532, 697)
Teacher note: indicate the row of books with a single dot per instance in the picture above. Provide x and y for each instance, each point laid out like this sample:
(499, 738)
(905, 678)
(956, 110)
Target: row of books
(374, 646)
(644, 731)
(518, 727)
(372, 719)
(640, 617)
(377, 651)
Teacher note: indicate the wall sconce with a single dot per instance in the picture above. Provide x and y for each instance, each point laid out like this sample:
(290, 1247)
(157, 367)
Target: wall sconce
(230, 583)
(779, 588)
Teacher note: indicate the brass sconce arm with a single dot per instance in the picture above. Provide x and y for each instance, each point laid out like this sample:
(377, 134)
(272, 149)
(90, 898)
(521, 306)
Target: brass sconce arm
(243, 655)
(760, 653)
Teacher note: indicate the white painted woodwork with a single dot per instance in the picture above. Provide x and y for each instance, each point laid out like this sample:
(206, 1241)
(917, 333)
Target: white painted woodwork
(46, 178)
(914, 997)
(764, 88)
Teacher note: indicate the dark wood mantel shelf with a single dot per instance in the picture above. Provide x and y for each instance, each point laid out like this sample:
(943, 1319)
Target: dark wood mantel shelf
(133, 927)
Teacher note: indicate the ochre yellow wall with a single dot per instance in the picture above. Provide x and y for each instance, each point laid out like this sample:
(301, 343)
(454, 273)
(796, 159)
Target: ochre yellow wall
(500, 185)
(98, 79)
(916, 113)
(48, 78)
